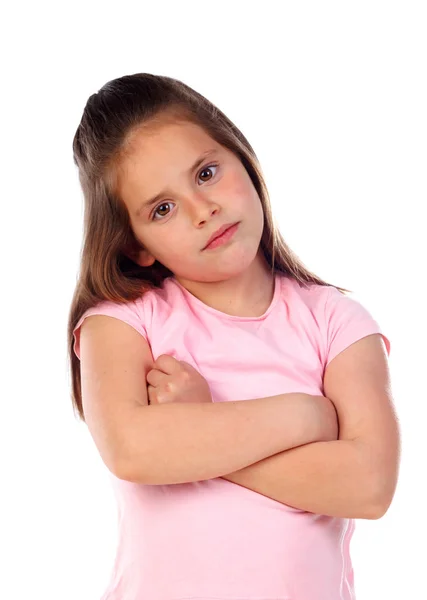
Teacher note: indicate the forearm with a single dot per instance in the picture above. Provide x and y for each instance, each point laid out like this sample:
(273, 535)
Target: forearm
(180, 443)
(329, 478)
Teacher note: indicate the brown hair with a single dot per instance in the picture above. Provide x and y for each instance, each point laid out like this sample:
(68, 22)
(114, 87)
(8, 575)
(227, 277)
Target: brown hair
(110, 118)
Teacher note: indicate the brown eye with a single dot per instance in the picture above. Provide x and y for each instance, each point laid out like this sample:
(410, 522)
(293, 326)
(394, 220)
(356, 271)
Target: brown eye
(207, 168)
(159, 210)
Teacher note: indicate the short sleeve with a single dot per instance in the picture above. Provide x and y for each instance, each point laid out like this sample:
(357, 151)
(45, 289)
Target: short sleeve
(128, 312)
(347, 321)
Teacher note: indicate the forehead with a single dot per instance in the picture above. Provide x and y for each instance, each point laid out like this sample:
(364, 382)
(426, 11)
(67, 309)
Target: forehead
(159, 141)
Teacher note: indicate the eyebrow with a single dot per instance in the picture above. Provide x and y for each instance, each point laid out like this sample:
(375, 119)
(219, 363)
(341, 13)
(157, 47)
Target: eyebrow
(157, 197)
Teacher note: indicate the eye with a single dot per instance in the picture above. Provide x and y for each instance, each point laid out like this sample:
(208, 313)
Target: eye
(163, 204)
(208, 168)
(158, 208)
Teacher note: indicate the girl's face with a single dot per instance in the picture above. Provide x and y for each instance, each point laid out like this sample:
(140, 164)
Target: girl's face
(192, 202)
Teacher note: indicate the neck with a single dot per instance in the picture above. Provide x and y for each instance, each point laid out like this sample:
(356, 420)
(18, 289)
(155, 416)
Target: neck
(248, 294)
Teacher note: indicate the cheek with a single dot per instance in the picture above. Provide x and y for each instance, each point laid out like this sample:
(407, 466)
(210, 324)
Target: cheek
(236, 184)
(241, 191)
(172, 246)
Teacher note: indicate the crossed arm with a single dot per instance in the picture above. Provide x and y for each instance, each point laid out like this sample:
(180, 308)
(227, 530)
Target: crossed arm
(356, 475)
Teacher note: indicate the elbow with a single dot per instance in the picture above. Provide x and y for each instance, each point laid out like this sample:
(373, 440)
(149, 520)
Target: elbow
(380, 502)
(122, 470)
(376, 511)
(118, 468)
(382, 476)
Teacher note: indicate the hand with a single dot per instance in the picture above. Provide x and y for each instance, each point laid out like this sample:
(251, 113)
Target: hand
(172, 380)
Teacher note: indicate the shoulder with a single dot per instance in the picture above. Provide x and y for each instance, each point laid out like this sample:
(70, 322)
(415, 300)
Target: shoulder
(137, 313)
(341, 317)
(312, 295)
(322, 298)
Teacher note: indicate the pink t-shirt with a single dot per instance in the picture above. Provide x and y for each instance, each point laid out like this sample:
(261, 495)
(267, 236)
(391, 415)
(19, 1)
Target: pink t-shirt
(213, 539)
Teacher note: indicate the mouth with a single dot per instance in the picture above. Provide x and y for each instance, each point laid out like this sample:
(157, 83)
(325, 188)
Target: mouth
(222, 235)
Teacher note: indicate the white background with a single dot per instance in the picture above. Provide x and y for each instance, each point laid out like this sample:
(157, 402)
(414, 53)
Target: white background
(332, 96)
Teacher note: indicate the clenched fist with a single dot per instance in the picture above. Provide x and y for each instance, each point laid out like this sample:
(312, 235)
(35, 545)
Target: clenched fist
(172, 380)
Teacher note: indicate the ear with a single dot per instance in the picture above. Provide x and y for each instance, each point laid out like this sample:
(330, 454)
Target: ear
(140, 257)
(144, 258)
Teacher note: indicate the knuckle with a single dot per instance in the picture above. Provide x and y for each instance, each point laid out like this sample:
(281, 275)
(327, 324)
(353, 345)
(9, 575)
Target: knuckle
(160, 360)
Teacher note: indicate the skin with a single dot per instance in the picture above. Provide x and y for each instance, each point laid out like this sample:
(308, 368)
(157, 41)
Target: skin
(233, 278)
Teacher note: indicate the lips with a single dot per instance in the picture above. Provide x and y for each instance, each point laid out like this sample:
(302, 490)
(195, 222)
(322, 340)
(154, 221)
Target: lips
(219, 232)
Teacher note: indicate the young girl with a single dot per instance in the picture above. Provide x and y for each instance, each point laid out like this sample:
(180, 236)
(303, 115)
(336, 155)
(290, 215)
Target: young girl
(241, 404)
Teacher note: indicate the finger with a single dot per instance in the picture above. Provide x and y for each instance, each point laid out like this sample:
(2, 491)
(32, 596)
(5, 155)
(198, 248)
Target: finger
(156, 377)
(158, 396)
(152, 398)
(168, 364)
(186, 366)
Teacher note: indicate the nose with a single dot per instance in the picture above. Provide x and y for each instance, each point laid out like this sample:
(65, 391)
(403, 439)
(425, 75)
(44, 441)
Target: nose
(201, 209)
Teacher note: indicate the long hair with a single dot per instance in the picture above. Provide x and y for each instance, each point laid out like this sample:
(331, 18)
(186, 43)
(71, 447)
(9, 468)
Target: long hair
(110, 118)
